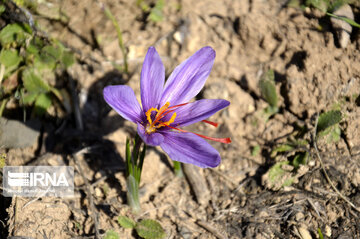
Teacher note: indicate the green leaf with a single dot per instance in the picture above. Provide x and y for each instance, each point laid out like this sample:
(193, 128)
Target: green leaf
(40, 64)
(145, 7)
(126, 222)
(128, 158)
(276, 171)
(293, 3)
(322, 5)
(57, 93)
(150, 229)
(106, 189)
(348, 20)
(34, 46)
(278, 177)
(42, 103)
(52, 51)
(335, 134)
(33, 83)
(49, 56)
(2, 160)
(10, 59)
(141, 162)
(13, 33)
(300, 159)
(19, 2)
(301, 142)
(267, 88)
(119, 35)
(270, 110)
(320, 234)
(177, 169)
(32, 49)
(328, 119)
(29, 98)
(269, 75)
(156, 14)
(2, 9)
(110, 234)
(281, 148)
(255, 150)
(288, 182)
(68, 59)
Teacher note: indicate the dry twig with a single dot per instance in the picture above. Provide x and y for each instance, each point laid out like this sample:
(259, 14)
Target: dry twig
(325, 173)
(94, 214)
(197, 183)
(211, 229)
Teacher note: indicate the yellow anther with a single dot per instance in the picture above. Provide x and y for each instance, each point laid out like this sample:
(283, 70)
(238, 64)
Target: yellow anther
(162, 110)
(148, 114)
(171, 120)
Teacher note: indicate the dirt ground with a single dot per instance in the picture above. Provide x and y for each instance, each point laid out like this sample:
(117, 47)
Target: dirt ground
(312, 74)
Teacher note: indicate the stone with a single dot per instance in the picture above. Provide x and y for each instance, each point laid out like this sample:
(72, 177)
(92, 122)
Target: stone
(342, 29)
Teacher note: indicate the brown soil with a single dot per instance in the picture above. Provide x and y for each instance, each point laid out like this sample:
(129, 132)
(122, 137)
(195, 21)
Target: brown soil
(312, 73)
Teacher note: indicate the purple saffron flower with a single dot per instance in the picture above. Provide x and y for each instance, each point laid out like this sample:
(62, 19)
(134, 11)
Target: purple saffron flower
(166, 107)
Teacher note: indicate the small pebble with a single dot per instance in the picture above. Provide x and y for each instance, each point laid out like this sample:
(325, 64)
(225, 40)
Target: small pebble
(98, 193)
(304, 233)
(327, 231)
(299, 216)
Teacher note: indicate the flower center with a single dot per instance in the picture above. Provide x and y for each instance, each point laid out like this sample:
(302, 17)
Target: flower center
(161, 113)
(158, 122)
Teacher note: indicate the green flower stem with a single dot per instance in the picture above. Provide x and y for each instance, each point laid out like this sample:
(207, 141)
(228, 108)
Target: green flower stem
(134, 164)
(119, 34)
(132, 194)
(177, 169)
(2, 107)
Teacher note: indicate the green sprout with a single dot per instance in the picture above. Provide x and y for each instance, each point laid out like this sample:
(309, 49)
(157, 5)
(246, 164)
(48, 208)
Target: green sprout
(119, 35)
(326, 6)
(268, 92)
(155, 13)
(147, 228)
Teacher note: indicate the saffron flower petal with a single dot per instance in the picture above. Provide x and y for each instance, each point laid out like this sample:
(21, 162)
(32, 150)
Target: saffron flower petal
(189, 148)
(153, 139)
(189, 77)
(152, 79)
(198, 111)
(123, 100)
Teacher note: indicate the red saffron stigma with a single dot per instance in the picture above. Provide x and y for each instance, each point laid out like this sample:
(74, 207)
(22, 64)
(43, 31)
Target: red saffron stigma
(167, 111)
(211, 123)
(175, 106)
(221, 140)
